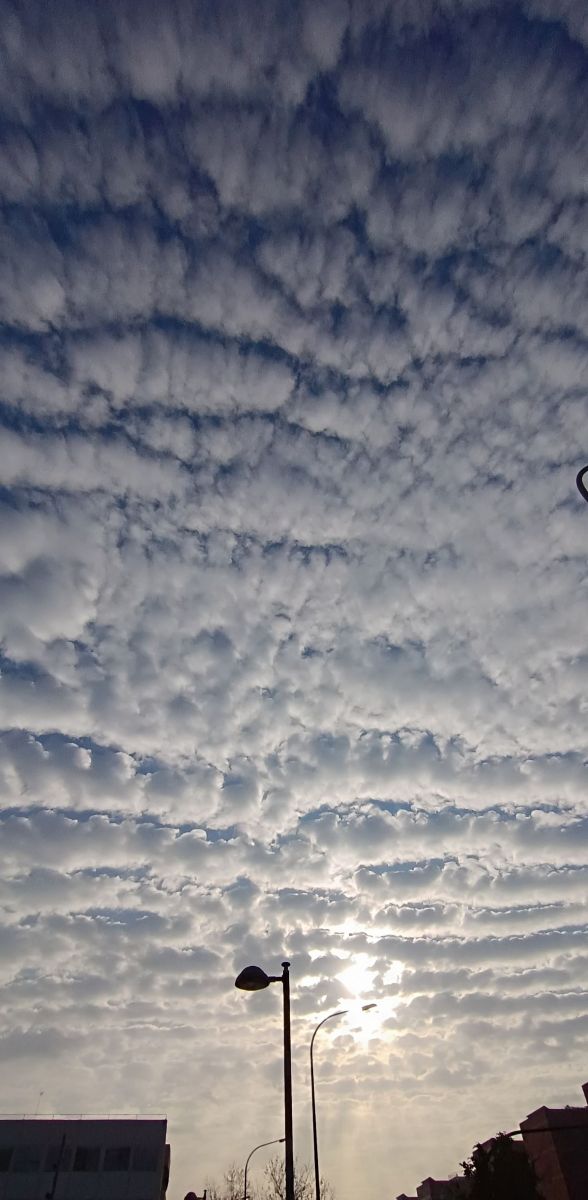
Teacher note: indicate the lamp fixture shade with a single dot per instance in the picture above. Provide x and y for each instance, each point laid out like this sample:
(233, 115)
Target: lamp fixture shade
(580, 482)
(252, 979)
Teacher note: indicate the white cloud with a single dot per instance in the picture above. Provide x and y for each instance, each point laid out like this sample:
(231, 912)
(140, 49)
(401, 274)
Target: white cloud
(292, 565)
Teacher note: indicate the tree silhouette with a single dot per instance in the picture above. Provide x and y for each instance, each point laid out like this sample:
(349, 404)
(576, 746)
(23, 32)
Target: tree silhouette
(501, 1171)
(273, 1186)
(231, 1187)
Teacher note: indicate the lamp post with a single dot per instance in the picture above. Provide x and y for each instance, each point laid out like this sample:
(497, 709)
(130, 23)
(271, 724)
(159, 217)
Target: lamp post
(273, 1142)
(583, 490)
(253, 979)
(340, 1013)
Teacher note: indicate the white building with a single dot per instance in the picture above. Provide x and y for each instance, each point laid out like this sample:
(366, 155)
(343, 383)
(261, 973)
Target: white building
(83, 1158)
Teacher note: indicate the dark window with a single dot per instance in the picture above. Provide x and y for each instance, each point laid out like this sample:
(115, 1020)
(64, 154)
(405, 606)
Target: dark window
(57, 1156)
(145, 1158)
(87, 1158)
(116, 1158)
(26, 1158)
(5, 1156)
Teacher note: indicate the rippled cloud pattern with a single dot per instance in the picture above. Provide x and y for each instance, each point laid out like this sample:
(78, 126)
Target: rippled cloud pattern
(294, 353)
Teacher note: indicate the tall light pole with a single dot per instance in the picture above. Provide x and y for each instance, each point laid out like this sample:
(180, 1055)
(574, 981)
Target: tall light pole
(340, 1013)
(273, 1142)
(253, 979)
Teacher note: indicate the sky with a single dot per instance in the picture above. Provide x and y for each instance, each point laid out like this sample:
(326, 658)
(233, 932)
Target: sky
(293, 570)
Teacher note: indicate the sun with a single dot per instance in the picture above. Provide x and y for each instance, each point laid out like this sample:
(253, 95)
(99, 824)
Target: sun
(358, 977)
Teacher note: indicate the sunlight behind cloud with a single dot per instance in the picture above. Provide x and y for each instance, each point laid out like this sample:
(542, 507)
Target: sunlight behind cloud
(358, 978)
(394, 973)
(364, 1027)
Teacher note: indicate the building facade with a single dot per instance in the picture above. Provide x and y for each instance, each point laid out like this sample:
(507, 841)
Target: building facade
(440, 1189)
(83, 1158)
(556, 1141)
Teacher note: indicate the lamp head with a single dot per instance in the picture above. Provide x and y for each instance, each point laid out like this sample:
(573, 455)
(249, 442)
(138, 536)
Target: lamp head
(252, 979)
(580, 482)
(366, 1007)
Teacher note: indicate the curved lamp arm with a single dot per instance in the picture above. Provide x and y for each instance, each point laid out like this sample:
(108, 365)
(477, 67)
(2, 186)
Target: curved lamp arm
(329, 1017)
(274, 1142)
(340, 1013)
(317, 1178)
(582, 488)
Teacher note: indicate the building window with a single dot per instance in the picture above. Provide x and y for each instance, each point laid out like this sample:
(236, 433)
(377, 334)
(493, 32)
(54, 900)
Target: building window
(117, 1158)
(57, 1155)
(87, 1158)
(145, 1158)
(26, 1158)
(5, 1156)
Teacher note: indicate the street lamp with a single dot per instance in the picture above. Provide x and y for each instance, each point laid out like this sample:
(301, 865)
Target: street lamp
(273, 1142)
(253, 979)
(340, 1013)
(583, 490)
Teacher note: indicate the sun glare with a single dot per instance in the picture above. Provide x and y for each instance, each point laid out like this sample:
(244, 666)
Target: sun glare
(358, 978)
(394, 973)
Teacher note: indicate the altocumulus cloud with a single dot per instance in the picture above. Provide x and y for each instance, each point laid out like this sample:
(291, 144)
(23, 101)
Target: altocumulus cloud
(294, 345)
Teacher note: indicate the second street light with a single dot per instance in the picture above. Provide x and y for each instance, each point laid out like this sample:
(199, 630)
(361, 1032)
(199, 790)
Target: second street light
(253, 979)
(274, 1142)
(339, 1013)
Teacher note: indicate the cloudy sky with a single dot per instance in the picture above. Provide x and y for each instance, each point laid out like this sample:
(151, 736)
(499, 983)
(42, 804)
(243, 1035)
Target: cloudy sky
(293, 569)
